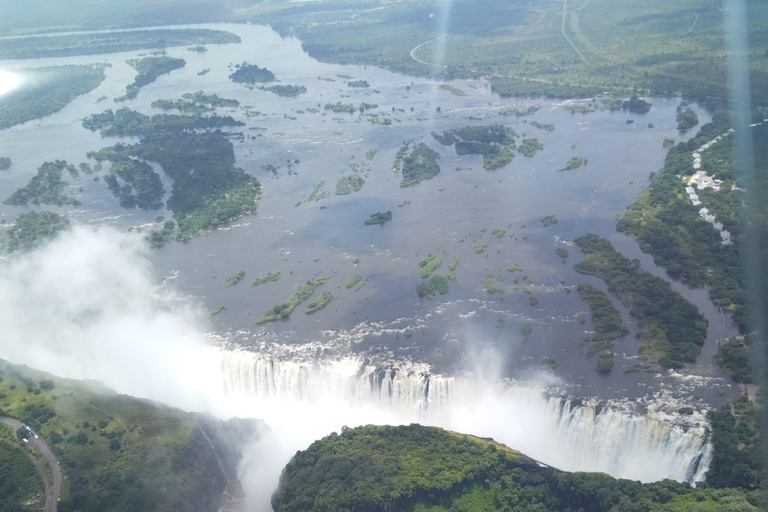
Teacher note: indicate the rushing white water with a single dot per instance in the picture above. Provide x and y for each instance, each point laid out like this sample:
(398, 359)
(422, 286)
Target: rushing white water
(571, 436)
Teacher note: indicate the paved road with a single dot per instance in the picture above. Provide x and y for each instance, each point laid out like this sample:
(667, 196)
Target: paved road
(52, 489)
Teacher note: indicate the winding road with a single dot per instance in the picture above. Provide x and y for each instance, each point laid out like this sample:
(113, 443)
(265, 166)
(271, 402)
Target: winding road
(52, 489)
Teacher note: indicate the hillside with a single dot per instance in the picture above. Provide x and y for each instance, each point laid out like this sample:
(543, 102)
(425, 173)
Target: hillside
(427, 469)
(120, 453)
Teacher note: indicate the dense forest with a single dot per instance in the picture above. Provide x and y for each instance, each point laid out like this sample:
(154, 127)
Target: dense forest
(420, 468)
(149, 69)
(45, 187)
(126, 122)
(675, 330)
(31, 229)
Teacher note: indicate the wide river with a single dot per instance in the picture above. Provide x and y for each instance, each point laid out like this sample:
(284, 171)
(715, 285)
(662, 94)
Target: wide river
(447, 215)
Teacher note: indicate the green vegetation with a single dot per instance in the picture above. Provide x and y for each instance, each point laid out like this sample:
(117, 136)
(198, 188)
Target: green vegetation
(498, 233)
(549, 362)
(562, 252)
(158, 238)
(149, 69)
(675, 330)
(127, 122)
(494, 142)
(668, 227)
(489, 282)
(605, 362)
(451, 89)
(549, 220)
(316, 195)
(319, 303)
(123, 453)
(19, 481)
(529, 147)
(141, 185)
(527, 329)
(216, 311)
(251, 74)
(378, 218)
(733, 356)
(573, 163)
(636, 105)
(352, 281)
(284, 310)
(605, 317)
(272, 276)
(420, 165)
(195, 103)
(111, 42)
(348, 184)
(359, 84)
(736, 443)
(515, 267)
(518, 112)
(46, 91)
(370, 154)
(427, 469)
(686, 119)
(429, 264)
(235, 278)
(33, 229)
(288, 91)
(437, 284)
(5, 163)
(46, 187)
(544, 126)
(207, 188)
(480, 247)
(533, 301)
(339, 108)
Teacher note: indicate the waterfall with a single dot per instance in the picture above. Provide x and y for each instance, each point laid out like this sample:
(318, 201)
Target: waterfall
(568, 434)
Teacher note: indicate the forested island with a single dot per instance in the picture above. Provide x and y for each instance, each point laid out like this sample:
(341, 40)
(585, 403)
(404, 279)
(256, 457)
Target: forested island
(149, 69)
(429, 469)
(31, 230)
(494, 142)
(251, 74)
(675, 330)
(195, 103)
(5, 163)
(378, 218)
(126, 122)
(46, 187)
(420, 165)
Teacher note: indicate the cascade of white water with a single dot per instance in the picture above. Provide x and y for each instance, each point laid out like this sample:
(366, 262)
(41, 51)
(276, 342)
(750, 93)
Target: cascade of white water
(569, 436)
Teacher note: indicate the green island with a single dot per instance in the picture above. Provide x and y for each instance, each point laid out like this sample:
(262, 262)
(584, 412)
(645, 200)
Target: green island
(515, 267)
(573, 163)
(498, 233)
(378, 218)
(341, 108)
(46, 91)
(636, 105)
(427, 469)
(45, 187)
(526, 330)
(549, 220)
(494, 142)
(316, 193)
(605, 317)
(216, 311)
(288, 91)
(284, 310)
(451, 89)
(272, 276)
(451, 274)
(480, 247)
(109, 42)
(686, 119)
(319, 303)
(348, 184)
(429, 264)
(361, 84)
(235, 278)
(352, 281)
(119, 452)
(544, 126)
(605, 362)
(195, 103)
(490, 281)
(562, 252)
(436, 284)
(674, 328)
(5, 163)
(420, 165)
(208, 190)
(31, 230)
(251, 74)
(141, 186)
(149, 69)
(520, 112)
(529, 147)
(159, 237)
